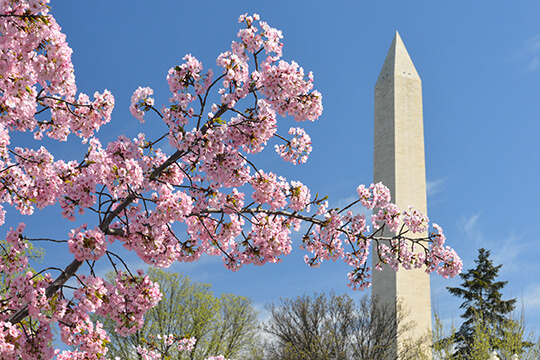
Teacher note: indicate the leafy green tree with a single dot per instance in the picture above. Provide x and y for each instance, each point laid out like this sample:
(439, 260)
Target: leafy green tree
(225, 325)
(443, 344)
(487, 317)
(507, 340)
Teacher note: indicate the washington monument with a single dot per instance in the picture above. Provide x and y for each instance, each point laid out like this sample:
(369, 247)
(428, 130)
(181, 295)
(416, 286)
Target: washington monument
(399, 164)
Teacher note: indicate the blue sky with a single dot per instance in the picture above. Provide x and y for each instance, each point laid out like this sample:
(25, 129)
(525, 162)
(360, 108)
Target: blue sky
(480, 68)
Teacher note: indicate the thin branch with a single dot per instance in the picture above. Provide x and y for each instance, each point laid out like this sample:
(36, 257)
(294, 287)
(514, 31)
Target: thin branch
(45, 239)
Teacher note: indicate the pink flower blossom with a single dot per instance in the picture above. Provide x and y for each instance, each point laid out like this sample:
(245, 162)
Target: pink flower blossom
(141, 102)
(87, 244)
(297, 149)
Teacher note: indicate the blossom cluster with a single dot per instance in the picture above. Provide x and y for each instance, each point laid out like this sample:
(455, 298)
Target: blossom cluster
(124, 301)
(14, 259)
(426, 251)
(141, 102)
(154, 351)
(37, 72)
(297, 149)
(88, 244)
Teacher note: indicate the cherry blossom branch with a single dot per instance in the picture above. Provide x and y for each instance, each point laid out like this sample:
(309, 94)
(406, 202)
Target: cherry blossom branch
(64, 276)
(138, 192)
(72, 268)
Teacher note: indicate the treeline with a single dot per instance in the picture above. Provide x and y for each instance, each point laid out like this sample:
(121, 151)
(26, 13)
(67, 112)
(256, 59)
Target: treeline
(316, 327)
(323, 326)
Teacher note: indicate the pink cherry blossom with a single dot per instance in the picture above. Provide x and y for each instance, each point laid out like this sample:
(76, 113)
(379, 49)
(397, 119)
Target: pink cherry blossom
(136, 190)
(141, 102)
(297, 149)
(87, 244)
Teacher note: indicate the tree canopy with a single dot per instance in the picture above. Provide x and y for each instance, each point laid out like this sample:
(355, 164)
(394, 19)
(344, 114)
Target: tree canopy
(221, 325)
(321, 326)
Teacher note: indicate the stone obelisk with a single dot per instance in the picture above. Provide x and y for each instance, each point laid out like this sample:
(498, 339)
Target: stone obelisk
(399, 164)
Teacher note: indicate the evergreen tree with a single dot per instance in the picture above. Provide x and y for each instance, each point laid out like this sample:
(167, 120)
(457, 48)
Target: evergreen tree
(483, 302)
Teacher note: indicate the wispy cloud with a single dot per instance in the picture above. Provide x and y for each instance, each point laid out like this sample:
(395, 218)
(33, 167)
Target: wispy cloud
(509, 250)
(531, 301)
(435, 186)
(469, 224)
(535, 63)
(260, 307)
(471, 231)
(444, 308)
(531, 52)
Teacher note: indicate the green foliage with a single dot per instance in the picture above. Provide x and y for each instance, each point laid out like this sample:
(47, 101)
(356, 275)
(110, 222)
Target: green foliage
(482, 342)
(490, 323)
(225, 325)
(482, 303)
(443, 343)
(507, 340)
(34, 253)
